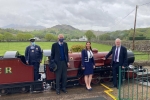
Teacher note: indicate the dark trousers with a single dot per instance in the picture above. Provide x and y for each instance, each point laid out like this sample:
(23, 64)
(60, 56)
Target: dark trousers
(36, 70)
(61, 74)
(115, 69)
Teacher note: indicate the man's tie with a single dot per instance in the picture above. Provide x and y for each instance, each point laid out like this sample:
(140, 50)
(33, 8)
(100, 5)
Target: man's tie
(116, 54)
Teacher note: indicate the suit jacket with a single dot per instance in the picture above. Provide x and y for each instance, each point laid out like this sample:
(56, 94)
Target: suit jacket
(84, 56)
(55, 52)
(122, 56)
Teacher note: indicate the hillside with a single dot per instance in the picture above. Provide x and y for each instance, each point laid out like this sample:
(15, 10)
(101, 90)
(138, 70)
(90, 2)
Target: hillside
(23, 27)
(2, 31)
(69, 31)
(140, 34)
(65, 29)
(96, 32)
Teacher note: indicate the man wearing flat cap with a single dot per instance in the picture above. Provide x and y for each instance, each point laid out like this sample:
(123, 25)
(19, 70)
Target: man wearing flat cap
(33, 56)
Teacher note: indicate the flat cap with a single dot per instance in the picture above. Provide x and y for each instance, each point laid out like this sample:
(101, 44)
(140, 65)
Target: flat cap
(32, 39)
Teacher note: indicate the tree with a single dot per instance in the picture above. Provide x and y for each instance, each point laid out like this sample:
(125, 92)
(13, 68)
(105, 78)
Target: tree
(1, 37)
(55, 37)
(24, 36)
(49, 37)
(39, 35)
(89, 34)
(104, 36)
(52, 31)
(20, 37)
(14, 37)
(8, 36)
(27, 36)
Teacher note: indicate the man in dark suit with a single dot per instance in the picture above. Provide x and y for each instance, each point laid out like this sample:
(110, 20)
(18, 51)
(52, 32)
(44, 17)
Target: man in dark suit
(119, 59)
(59, 53)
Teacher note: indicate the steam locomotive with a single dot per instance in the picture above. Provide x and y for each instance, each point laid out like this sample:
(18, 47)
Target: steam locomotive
(17, 76)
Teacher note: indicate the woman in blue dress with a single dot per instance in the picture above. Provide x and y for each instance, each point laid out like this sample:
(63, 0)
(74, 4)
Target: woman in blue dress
(88, 64)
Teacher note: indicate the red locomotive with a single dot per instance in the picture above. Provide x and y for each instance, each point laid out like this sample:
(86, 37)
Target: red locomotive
(17, 76)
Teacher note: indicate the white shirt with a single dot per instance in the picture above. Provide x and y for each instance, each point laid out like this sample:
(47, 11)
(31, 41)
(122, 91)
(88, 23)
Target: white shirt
(90, 54)
(118, 53)
(60, 43)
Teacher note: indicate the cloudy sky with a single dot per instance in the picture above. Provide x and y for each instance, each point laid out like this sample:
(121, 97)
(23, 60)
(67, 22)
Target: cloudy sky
(103, 15)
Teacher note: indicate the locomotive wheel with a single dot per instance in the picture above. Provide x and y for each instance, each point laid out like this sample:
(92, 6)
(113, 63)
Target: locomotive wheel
(81, 80)
(3, 91)
(107, 74)
(95, 79)
(25, 89)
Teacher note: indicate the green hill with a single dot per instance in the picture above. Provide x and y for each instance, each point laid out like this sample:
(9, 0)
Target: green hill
(140, 34)
(67, 30)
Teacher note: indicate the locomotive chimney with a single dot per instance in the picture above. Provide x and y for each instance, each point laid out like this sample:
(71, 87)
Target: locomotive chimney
(94, 50)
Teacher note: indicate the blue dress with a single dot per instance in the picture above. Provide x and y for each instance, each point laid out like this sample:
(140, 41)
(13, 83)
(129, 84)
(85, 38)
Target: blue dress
(87, 61)
(88, 67)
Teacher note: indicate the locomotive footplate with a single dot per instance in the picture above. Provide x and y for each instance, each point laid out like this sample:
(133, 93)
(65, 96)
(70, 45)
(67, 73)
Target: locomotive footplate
(21, 87)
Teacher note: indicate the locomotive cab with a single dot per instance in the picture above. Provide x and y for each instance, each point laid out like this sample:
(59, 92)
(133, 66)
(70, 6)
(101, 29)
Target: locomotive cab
(16, 75)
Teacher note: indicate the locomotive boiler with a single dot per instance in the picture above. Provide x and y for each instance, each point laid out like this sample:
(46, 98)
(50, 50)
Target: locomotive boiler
(17, 76)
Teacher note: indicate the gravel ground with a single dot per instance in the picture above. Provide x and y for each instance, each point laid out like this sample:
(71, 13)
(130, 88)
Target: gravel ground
(74, 93)
(133, 90)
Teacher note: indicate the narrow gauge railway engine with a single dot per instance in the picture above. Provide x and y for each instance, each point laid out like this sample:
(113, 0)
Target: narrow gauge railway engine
(102, 72)
(16, 76)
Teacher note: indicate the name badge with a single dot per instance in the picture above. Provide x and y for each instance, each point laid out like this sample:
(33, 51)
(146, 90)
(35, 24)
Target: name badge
(32, 50)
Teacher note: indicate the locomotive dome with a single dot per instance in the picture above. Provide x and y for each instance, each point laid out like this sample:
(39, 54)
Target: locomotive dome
(94, 50)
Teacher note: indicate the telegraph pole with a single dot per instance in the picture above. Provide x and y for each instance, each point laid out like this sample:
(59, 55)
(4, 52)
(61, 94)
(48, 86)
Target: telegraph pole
(134, 26)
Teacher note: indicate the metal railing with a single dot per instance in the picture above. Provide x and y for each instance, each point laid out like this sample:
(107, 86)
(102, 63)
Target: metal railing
(134, 85)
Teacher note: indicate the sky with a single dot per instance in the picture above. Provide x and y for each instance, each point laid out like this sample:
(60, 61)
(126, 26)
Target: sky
(102, 15)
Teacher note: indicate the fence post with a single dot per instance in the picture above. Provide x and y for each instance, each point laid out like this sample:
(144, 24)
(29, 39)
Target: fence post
(119, 96)
(148, 55)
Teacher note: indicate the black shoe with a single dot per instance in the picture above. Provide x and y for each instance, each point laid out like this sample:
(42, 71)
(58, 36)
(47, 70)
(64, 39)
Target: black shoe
(58, 92)
(64, 91)
(117, 87)
(86, 88)
(90, 89)
(112, 86)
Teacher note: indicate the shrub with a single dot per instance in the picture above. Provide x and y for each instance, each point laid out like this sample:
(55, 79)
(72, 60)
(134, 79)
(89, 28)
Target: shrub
(138, 38)
(77, 48)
